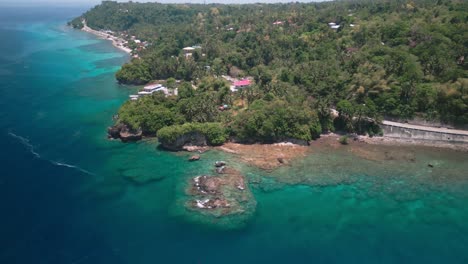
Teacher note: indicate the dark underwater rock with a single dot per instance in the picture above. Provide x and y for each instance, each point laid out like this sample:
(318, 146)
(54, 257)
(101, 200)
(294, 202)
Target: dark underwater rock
(194, 158)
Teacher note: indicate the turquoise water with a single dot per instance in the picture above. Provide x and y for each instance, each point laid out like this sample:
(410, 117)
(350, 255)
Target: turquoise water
(69, 195)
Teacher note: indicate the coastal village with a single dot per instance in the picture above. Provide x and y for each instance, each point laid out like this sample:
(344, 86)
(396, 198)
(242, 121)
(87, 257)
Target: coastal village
(265, 100)
(132, 45)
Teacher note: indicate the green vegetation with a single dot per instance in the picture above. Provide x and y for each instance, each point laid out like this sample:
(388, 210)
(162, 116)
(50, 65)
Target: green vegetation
(276, 121)
(344, 140)
(400, 59)
(214, 133)
(150, 113)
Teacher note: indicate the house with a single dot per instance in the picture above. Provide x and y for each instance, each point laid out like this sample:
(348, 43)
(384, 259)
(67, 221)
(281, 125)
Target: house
(242, 83)
(152, 87)
(188, 51)
(143, 93)
(236, 85)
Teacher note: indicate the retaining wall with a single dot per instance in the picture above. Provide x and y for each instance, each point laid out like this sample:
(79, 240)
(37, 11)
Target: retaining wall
(393, 131)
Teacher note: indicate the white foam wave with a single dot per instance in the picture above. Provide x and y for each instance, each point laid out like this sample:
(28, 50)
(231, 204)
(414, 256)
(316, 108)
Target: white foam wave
(25, 142)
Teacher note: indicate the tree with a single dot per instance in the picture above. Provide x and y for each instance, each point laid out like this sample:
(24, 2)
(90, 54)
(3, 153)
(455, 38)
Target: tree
(346, 112)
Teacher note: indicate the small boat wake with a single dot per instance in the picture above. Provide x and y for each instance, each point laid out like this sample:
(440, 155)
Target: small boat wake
(72, 167)
(25, 142)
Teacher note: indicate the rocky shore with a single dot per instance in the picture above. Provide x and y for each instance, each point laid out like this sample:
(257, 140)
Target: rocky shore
(266, 156)
(414, 142)
(269, 157)
(124, 133)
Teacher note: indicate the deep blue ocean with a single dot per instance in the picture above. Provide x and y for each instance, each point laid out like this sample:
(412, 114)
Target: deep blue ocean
(70, 196)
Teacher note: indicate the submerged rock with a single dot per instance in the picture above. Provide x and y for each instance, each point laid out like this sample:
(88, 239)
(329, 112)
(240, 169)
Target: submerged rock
(140, 176)
(220, 163)
(220, 170)
(194, 158)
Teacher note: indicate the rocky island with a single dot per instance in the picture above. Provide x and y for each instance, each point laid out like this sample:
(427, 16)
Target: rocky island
(223, 194)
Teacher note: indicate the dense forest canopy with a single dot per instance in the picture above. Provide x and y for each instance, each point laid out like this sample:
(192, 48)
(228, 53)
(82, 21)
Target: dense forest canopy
(391, 58)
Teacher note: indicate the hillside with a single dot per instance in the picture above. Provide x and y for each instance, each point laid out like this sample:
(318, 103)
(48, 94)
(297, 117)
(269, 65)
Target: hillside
(367, 59)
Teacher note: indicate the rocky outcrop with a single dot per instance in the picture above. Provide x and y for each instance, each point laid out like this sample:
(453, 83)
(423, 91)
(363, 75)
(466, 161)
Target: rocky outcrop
(114, 131)
(221, 195)
(127, 135)
(189, 139)
(124, 133)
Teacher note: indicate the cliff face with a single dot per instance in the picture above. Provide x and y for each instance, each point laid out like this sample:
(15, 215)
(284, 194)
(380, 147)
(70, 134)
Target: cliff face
(124, 133)
(189, 139)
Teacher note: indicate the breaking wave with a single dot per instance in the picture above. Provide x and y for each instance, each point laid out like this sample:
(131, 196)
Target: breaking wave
(25, 142)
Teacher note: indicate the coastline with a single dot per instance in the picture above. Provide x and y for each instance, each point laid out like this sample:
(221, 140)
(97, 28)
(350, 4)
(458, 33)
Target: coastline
(391, 141)
(115, 40)
(269, 157)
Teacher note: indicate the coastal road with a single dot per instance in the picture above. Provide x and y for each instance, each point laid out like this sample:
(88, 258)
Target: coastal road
(426, 128)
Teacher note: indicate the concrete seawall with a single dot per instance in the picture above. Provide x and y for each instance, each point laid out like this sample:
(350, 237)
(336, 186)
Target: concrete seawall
(406, 131)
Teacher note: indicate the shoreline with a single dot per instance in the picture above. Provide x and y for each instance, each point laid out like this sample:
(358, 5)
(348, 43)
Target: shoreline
(115, 40)
(269, 157)
(391, 141)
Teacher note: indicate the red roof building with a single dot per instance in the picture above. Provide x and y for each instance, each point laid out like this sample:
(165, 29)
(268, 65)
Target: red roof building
(242, 83)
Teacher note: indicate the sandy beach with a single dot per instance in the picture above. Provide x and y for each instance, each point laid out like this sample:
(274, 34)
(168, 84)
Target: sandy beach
(115, 40)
